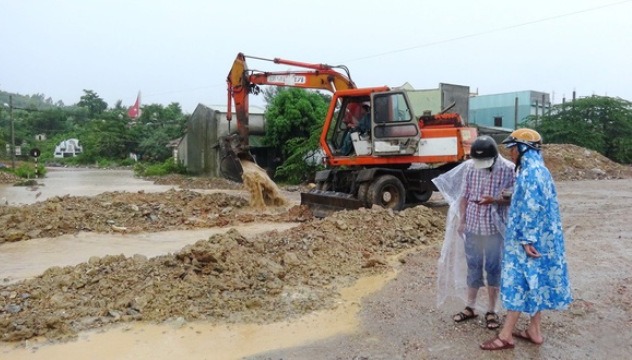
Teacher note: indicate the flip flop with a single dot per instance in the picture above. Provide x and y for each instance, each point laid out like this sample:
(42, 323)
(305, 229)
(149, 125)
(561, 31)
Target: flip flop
(524, 335)
(493, 345)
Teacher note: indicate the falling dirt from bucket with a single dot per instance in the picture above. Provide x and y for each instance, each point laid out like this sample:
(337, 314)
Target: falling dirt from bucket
(263, 191)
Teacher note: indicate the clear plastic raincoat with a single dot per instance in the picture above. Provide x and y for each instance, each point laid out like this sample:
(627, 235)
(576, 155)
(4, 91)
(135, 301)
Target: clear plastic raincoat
(452, 267)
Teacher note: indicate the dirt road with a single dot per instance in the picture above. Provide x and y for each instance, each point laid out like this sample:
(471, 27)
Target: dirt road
(402, 322)
(392, 315)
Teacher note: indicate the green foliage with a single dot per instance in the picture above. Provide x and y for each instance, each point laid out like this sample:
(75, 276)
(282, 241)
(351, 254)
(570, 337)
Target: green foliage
(104, 138)
(294, 123)
(28, 171)
(600, 123)
(169, 166)
(91, 101)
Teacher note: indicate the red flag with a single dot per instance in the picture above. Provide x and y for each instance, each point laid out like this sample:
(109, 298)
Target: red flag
(134, 111)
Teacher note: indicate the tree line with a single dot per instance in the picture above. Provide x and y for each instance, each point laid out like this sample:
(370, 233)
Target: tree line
(105, 133)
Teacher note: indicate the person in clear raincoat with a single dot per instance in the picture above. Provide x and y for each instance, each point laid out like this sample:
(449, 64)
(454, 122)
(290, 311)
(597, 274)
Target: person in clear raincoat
(478, 194)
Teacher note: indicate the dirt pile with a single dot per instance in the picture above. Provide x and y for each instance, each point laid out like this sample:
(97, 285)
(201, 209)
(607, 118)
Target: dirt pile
(276, 275)
(129, 213)
(572, 162)
(8, 178)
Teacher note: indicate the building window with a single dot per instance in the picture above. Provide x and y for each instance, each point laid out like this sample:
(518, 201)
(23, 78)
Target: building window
(498, 121)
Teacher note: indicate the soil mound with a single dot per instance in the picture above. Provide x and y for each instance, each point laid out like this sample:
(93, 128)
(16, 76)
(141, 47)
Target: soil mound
(229, 278)
(572, 162)
(8, 178)
(129, 213)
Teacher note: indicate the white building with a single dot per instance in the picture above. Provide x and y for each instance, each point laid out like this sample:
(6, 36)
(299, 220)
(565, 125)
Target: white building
(68, 148)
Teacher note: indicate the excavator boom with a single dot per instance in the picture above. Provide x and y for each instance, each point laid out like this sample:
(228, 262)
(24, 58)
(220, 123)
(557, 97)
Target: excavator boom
(241, 82)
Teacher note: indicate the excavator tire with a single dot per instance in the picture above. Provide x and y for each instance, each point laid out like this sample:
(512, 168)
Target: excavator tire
(419, 197)
(363, 193)
(387, 191)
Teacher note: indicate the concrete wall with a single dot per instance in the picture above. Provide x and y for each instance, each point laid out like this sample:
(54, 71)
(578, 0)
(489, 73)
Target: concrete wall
(200, 147)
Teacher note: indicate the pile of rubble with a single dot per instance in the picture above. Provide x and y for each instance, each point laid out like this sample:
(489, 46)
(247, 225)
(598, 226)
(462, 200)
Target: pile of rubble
(572, 162)
(8, 178)
(273, 276)
(130, 213)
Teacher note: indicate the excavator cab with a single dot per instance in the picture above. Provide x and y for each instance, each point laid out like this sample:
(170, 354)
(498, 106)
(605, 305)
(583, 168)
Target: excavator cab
(379, 124)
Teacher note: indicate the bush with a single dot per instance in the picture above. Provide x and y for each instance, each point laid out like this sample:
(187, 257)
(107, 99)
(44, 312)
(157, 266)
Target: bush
(167, 167)
(29, 171)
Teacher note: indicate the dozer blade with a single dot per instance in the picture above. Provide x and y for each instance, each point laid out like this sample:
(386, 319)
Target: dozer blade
(323, 203)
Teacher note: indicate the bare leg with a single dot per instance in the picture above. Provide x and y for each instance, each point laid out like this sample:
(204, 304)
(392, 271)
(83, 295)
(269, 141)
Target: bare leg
(472, 293)
(534, 330)
(510, 322)
(492, 291)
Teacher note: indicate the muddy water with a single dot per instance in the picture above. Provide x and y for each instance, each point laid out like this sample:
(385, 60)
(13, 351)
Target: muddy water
(198, 340)
(76, 182)
(25, 259)
(142, 340)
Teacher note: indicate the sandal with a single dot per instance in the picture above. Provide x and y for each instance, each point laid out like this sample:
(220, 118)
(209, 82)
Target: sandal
(524, 335)
(492, 321)
(494, 344)
(466, 314)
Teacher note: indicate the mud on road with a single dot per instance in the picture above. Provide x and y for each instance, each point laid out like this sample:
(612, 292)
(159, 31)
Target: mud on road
(402, 322)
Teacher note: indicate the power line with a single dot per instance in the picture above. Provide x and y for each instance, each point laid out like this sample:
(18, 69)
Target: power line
(492, 30)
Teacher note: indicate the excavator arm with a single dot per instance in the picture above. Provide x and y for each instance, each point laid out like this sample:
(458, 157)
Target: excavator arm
(241, 82)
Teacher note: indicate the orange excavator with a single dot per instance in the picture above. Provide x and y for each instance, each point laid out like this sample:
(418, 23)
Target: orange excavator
(377, 151)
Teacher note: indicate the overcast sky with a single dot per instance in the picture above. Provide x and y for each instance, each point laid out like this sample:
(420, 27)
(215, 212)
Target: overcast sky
(181, 51)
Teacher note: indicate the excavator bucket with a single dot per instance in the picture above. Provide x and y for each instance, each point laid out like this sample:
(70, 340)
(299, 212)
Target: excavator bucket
(232, 151)
(323, 203)
(230, 167)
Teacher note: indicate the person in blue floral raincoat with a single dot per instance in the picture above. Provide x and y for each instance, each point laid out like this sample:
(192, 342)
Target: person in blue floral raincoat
(534, 275)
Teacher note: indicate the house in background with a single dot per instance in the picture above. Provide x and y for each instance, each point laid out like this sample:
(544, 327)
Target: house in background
(68, 148)
(507, 110)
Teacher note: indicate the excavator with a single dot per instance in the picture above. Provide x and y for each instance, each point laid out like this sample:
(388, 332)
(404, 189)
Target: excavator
(391, 161)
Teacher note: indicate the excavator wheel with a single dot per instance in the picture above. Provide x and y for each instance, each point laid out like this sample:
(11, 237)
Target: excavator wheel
(419, 196)
(363, 194)
(388, 192)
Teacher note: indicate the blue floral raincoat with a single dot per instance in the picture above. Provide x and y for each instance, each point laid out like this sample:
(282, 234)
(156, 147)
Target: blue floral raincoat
(528, 284)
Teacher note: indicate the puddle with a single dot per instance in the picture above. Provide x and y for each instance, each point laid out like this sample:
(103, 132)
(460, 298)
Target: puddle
(24, 259)
(199, 340)
(77, 182)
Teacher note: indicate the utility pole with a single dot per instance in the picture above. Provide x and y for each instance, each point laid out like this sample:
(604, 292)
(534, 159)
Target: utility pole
(12, 132)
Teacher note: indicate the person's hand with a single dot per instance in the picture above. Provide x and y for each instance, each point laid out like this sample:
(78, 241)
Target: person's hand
(486, 200)
(461, 229)
(531, 251)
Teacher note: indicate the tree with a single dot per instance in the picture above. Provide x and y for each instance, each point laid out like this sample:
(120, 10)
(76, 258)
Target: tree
(91, 101)
(155, 128)
(600, 123)
(294, 121)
